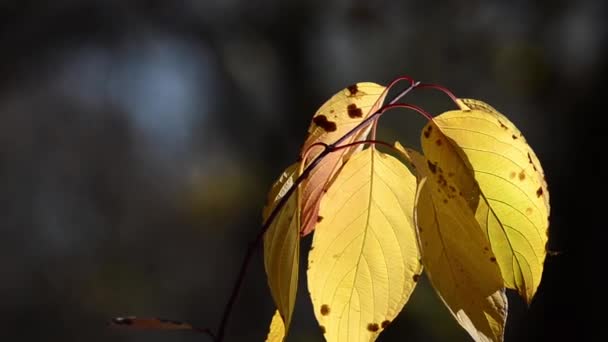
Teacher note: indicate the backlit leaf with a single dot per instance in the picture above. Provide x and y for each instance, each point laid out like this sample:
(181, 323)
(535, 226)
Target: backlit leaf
(364, 260)
(282, 246)
(276, 332)
(455, 251)
(514, 207)
(336, 117)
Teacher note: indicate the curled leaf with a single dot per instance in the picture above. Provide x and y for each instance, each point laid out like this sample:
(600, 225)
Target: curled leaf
(341, 113)
(513, 206)
(455, 251)
(282, 247)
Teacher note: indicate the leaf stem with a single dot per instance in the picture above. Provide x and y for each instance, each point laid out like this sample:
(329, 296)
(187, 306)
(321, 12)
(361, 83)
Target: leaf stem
(440, 88)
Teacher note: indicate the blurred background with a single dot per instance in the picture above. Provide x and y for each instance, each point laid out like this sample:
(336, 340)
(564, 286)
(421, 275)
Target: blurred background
(138, 140)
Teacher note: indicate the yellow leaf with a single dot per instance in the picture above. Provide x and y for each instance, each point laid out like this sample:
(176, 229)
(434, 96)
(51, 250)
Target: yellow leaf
(364, 260)
(455, 252)
(341, 113)
(277, 329)
(514, 207)
(282, 246)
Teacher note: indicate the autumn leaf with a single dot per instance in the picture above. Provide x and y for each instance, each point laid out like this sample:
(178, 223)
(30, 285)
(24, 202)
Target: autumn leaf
(276, 332)
(513, 208)
(455, 252)
(282, 248)
(341, 113)
(364, 261)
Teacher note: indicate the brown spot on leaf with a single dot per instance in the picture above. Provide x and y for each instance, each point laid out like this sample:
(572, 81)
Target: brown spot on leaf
(450, 174)
(432, 166)
(354, 111)
(539, 192)
(353, 90)
(385, 324)
(486, 249)
(452, 188)
(512, 174)
(441, 181)
(438, 142)
(529, 211)
(522, 175)
(502, 125)
(493, 259)
(325, 310)
(322, 329)
(312, 247)
(373, 327)
(321, 121)
(445, 201)
(319, 218)
(416, 277)
(331, 111)
(427, 132)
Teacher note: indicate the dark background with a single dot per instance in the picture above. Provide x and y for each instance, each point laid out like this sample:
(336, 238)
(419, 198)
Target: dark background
(138, 140)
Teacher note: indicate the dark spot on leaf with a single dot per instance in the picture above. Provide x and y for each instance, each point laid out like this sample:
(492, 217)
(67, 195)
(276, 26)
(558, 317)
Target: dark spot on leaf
(353, 111)
(373, 327)
(321, 121)
(427, 132)
(450, 174)
(452, 188)
(514, 136)
(522, 175)
(539, 192)
(502, 125)
(512, 174)
(438, 142)
(122, 321)
(493, 259)
(441, 181)
(385, 324)
(531, 162)
(445, 200)
(432, 166)
(460, 193)
(416, 277)
(312, 247)
(324, 309)
(331, 111)
(353, 89)
(486, 248)
(322, 329)
(319, 218)
(529, 211)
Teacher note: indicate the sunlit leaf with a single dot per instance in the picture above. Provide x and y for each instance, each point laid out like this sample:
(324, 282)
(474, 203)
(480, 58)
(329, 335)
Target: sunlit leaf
(455, 251)
(364, 260)
(513, 209)
(276, 332)
(282, 246)
(336, 117)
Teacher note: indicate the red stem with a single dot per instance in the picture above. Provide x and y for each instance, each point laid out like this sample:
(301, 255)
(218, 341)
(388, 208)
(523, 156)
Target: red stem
(440, 88)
